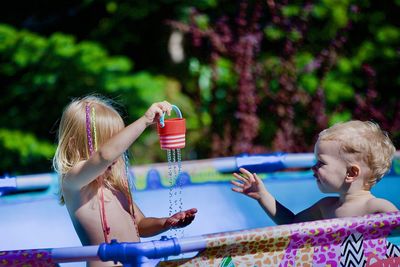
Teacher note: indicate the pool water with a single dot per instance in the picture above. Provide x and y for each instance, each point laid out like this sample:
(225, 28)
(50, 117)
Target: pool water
(36, 220)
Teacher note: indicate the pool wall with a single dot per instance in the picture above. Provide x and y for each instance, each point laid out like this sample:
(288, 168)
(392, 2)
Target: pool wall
(352, 241)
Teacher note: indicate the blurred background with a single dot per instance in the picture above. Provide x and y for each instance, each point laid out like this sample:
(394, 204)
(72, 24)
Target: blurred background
(248, 76)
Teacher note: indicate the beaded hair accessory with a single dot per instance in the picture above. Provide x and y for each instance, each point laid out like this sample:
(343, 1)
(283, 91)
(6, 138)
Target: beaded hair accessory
(91, 123)
(88, 129)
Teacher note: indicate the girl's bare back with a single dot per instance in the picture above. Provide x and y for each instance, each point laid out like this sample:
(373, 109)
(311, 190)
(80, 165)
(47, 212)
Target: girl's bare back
(85, 211)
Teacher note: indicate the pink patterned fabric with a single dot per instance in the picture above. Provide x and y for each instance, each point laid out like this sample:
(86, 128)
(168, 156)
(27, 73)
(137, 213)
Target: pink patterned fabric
(27, 258)
(317, 243)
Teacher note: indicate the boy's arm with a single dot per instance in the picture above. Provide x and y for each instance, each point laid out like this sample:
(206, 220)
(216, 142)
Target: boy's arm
(275, 210)
(282, 215)
(86, 171)
(379, 205)
(312, 213)
(251, 185)
(150, 226)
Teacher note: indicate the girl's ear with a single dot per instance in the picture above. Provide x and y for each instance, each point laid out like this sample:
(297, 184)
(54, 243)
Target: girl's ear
(353, 171)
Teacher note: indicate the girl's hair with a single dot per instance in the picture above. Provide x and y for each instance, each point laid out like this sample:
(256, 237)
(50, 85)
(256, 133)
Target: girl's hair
(73, 142)
(364, 141)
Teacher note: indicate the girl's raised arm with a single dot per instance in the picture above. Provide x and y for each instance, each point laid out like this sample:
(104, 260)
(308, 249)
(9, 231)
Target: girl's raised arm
(87, 171)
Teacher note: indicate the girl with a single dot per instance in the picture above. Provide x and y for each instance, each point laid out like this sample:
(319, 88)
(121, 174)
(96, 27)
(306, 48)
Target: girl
(90, 161)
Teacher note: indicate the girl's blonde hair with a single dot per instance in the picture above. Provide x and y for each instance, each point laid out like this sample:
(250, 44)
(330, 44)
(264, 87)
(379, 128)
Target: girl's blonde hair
(73, 141)
(364, 141)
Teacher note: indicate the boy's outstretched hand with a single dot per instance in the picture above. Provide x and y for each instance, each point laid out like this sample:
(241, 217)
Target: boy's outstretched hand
(248, 184)
(181, 219)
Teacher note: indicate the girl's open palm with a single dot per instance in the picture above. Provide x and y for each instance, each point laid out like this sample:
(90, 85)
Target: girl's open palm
(181, 219)
(248, 184)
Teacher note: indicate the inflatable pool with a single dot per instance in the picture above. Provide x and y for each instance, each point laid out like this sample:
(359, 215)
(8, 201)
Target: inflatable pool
(229, 230)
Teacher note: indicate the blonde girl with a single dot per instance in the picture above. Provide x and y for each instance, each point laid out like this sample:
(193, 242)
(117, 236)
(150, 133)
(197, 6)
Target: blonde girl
(89, 159)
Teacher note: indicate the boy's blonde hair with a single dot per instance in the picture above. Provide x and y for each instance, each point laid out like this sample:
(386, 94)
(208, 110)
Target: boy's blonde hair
(73, 142)
(364, 141)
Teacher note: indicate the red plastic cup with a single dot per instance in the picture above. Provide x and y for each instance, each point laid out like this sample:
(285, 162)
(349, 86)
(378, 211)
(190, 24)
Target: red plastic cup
(172, 132)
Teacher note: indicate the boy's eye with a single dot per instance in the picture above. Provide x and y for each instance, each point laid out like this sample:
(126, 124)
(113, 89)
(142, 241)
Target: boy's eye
(320, 163)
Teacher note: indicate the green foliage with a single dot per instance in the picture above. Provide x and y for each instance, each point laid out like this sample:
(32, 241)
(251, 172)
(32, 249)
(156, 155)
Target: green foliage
(291, 10)
(331, 16)
(148, 88)
(388, 34)
(202, 22)
(302, 59)
(39, 73)
(336, 90)
(203, 72)
(309, 82)
(23, 153)
(226, 76)
(345, 65)
(339, 117)
(319, 11)
(273, 33)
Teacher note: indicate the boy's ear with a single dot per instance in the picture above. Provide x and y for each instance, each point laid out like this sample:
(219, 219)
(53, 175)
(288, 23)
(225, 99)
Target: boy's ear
(353, 171)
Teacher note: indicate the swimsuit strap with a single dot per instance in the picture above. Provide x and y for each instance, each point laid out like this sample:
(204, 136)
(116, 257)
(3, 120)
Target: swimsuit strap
(132, 212)
(128, 183)
(103, 217)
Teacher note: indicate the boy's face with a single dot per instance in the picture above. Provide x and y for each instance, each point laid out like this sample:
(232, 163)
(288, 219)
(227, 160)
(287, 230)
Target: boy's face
(330, 170)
